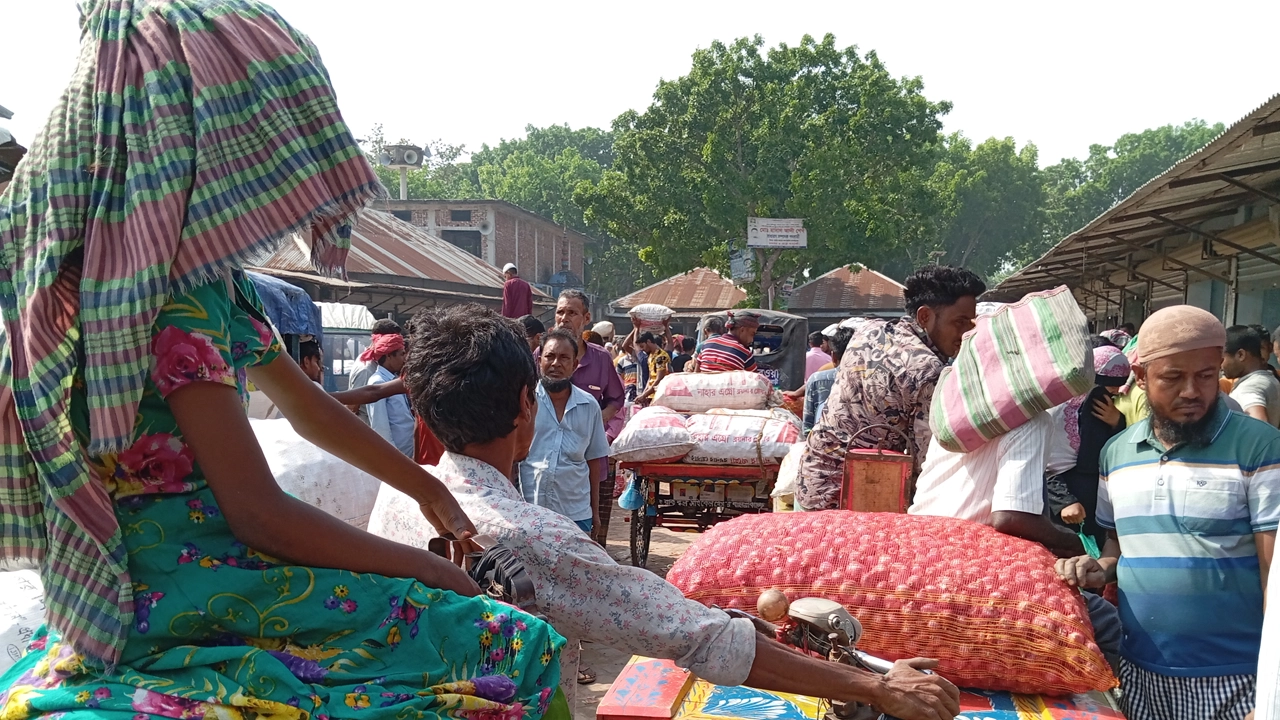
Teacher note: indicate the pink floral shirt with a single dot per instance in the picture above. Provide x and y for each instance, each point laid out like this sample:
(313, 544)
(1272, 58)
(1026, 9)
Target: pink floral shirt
(581, 590)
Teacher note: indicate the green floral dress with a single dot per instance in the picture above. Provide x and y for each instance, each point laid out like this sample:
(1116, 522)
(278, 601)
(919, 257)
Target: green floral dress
(222, 631)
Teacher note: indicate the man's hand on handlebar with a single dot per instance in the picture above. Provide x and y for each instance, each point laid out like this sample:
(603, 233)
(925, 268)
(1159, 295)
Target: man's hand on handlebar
(910, 694)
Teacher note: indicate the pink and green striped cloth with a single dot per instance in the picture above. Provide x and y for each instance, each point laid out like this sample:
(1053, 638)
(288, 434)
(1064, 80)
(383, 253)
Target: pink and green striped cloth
(1018, 361)
(194, 136)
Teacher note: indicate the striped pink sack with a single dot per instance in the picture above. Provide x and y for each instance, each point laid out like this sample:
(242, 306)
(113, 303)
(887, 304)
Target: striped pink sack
(1018, 361)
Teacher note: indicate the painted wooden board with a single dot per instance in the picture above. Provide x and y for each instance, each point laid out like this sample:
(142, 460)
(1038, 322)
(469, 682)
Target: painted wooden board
(658, 689)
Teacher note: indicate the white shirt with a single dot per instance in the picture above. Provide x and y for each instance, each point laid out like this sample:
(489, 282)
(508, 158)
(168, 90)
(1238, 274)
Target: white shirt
(1062, 457)
(1259, 388)
(1006, 474)
(1268, 705)
(583, 592)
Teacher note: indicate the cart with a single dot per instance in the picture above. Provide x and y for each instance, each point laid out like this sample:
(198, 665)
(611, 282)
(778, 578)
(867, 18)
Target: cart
(692, 498)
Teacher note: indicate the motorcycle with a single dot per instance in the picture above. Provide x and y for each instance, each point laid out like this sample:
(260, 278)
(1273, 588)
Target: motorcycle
(819, 627)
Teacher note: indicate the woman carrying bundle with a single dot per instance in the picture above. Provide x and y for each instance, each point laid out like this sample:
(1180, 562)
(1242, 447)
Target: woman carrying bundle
(180, 580)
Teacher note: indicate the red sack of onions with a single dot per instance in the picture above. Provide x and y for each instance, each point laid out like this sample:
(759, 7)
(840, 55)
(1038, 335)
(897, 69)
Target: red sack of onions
(988, 606)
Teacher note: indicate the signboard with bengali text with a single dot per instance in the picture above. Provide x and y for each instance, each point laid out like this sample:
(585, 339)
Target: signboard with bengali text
(776, 233)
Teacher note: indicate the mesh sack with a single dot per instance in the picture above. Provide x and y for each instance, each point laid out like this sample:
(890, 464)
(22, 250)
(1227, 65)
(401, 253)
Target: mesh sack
(988, 606)
(653, 434)
(700, 392)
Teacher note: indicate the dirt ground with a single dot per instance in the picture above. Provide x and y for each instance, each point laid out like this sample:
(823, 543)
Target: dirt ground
(665, 548)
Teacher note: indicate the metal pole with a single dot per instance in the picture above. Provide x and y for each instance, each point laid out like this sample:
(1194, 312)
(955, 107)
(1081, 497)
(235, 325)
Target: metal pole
(404, 183)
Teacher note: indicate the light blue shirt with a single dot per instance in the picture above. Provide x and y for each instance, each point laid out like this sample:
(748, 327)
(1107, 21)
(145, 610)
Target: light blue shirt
(555, 475)
(390, 417)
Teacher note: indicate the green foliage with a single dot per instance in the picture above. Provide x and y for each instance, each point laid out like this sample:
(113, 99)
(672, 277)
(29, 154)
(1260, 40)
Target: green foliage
(1077, 191)
(811, 131)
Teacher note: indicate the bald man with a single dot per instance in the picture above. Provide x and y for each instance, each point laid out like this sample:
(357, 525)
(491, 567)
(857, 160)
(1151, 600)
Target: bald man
(1191, 499)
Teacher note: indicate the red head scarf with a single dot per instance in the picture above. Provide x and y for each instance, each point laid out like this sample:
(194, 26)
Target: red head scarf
(382, 346)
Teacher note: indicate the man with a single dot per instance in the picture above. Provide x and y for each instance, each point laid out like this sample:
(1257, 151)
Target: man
(517, 296)
(886, 377)
(569, 455)
(683, 354)
(470, 368)
(364, 370)
(533, 330)
(1191, 497)
(713, 327)
(659, 363)
(818, 387)
(731, 350)
(595, 372)
(311, 360)
(390, 417)
(817, 355)
(1256, 387)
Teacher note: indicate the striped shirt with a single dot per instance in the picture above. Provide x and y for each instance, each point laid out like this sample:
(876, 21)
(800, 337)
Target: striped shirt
(1190, 583)
(724, 353)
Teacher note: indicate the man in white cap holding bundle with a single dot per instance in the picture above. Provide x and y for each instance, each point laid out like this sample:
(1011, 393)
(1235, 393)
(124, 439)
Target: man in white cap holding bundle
(517, 296)
(1191, 497)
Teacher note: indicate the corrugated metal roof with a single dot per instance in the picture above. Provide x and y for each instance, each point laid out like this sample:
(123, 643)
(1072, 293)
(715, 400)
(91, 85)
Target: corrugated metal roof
(382, 244)
(1239, 167)
(848, 289)
(699, 290)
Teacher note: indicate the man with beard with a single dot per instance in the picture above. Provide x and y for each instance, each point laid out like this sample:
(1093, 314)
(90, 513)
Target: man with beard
(1191, 497)
(569, 454)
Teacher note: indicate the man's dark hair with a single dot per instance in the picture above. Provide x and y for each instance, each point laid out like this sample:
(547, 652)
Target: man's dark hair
(815, 339)
(1097, 341)
(1263, 333)
(574, 294)
(465, 373)
(1243, 337)
(715, 326)
(1129, 329)
(559, 333)
(532, 326)
(840, 342)
(386, 326)
(688, 344)
(940, 286)
(308, 349)
(648, 337)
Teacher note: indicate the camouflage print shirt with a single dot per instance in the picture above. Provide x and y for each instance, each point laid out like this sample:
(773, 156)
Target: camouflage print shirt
(886, 377)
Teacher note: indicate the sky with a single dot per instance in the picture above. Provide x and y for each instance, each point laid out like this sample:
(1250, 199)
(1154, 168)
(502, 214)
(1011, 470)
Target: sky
(1064, 75)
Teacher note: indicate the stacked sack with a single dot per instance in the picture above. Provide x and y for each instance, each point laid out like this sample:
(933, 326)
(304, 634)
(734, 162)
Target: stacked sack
(710, 419)
(988, 606)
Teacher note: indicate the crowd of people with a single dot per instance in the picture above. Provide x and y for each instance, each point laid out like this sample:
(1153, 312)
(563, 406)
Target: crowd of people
(181, 581)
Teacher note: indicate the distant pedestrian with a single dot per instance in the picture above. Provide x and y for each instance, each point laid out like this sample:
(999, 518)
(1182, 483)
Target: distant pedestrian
(311, 360)
(816, 357)
(364, 370)
(659, 362)
(683, 355)
(533, 331)
(390, 417)
(517, 296)
(731, 351)
(1256, 387)
(818, 388)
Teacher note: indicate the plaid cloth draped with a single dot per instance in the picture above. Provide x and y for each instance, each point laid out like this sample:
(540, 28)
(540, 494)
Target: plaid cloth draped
(193, 137)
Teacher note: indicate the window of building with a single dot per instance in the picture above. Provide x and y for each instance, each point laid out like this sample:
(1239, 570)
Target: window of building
(460, 216)
(468, 240)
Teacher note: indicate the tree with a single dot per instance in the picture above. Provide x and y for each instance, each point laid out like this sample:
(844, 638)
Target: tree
(1077, 191)
(991, 198)
(811, 131)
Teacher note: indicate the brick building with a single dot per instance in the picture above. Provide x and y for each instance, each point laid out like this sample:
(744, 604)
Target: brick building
(498, 233)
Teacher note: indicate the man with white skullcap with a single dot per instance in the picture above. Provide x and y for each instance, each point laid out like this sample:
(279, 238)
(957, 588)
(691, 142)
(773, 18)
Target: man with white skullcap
(1191, 497)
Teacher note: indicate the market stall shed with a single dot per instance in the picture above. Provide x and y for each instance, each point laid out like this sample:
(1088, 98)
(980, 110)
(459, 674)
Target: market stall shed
(1205, 232)
(844, 292)
(691, 295)
(395, 269)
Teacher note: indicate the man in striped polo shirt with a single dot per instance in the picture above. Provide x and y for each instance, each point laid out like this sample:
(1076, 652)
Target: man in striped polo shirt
(732, 350)
(1191, 496)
